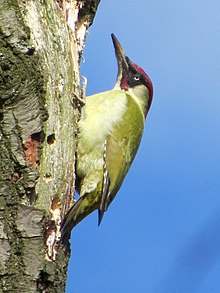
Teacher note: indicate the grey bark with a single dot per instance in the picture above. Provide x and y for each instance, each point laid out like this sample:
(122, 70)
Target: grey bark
(41, 43)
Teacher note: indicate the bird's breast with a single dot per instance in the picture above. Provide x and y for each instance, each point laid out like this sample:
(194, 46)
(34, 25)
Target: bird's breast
(102, 112)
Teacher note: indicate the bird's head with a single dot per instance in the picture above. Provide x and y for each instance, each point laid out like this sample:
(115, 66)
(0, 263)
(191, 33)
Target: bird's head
(132, 78)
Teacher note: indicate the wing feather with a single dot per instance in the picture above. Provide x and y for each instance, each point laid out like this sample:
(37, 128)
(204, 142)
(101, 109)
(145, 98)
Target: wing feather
(122, 146)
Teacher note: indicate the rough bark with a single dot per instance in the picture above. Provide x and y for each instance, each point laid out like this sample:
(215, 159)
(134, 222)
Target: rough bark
(40, 47)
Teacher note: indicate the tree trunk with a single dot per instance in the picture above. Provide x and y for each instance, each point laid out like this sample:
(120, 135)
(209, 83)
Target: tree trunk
(40, 47)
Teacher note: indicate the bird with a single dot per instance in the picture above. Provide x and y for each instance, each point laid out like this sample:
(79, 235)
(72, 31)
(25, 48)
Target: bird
(110, 132)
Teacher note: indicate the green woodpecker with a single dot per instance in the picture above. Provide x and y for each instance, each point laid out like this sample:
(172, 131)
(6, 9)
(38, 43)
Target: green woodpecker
(109, 136)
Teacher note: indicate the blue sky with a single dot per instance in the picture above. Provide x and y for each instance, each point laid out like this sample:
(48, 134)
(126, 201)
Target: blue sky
(162, 232)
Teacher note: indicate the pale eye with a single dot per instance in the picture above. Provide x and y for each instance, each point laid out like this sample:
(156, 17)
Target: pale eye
(136, 77)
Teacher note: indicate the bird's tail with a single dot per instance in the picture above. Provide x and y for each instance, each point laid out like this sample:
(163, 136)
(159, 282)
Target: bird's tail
(81, 208)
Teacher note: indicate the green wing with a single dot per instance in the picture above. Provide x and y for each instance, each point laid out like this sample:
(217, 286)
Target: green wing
(122, 146)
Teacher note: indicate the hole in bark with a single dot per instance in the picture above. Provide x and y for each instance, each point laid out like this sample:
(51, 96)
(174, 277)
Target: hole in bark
(32, 148)
(51, 138)
(43, 281)
(30, 51)
(38, 136)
